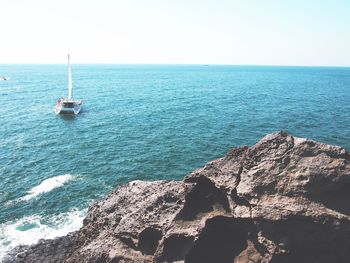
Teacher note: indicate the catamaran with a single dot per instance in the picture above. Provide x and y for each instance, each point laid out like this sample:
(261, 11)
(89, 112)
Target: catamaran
(68, 105)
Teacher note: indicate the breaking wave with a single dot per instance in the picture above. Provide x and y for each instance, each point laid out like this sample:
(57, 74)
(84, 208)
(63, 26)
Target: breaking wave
(28, 230)
(47, 186)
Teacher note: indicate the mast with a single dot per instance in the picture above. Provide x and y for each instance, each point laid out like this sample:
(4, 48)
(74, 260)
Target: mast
(70, 88)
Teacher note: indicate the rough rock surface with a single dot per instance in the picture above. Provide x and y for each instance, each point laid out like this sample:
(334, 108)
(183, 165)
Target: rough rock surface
(285, 199)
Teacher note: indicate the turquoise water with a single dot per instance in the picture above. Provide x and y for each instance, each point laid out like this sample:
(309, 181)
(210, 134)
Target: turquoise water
(143, 122)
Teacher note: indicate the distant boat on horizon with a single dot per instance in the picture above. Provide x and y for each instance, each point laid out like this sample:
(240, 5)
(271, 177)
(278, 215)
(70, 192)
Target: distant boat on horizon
(68, 105)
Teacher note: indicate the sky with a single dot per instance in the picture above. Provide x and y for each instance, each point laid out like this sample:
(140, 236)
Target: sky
(245, 32)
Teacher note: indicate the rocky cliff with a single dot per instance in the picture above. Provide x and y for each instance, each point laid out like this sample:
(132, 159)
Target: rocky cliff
(285, 199)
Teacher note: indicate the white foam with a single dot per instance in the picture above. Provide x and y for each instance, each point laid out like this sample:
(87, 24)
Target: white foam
(47, 186)
(28, 230)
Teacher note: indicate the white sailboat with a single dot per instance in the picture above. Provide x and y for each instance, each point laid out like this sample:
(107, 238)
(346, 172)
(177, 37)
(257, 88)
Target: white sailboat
(68, 105)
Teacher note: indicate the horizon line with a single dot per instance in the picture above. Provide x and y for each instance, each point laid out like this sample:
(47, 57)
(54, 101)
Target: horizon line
(184, 64)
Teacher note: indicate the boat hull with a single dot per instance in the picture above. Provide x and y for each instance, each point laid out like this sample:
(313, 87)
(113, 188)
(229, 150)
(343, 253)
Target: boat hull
(61, 109)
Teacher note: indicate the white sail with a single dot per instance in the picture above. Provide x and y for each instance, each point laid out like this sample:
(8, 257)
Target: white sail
(70, 88)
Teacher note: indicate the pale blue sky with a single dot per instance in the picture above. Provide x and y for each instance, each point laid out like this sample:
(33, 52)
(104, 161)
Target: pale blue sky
(258, 32)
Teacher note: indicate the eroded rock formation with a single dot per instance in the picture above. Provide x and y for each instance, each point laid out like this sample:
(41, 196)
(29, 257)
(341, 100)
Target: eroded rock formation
(285, 199)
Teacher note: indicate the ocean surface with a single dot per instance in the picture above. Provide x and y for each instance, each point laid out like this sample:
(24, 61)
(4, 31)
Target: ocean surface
(144, 122)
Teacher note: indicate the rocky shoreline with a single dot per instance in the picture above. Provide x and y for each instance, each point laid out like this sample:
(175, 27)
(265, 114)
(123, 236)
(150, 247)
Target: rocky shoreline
(285, 199)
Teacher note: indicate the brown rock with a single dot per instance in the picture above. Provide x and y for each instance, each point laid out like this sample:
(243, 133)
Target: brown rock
(285, 199)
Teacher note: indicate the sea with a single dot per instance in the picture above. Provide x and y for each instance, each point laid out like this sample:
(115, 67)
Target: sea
(142, 122)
